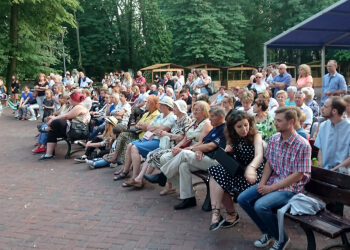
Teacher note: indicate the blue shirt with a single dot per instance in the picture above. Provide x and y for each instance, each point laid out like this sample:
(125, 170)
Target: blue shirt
(217, 136)
(24, 96)
(220, 98)
(286, 78)
(332, 84)
(334, 142)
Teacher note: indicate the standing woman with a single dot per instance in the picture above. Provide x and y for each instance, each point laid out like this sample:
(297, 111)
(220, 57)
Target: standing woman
(205, 80)
(40, 87)
(244, 144)
(14, 89)
(305, 78)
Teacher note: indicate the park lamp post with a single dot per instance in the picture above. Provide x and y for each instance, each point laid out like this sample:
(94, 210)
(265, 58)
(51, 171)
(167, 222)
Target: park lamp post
(63, 54)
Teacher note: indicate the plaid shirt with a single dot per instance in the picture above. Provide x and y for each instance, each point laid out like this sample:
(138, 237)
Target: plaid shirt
(287, 157)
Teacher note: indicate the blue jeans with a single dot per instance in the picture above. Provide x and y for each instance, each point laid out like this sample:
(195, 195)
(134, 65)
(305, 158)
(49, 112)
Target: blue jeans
(99, 129)
(262, 208)
(42, 140)
(100, 163)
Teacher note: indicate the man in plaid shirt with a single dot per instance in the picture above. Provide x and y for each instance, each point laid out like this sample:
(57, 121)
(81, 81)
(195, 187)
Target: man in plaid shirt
(287, 170)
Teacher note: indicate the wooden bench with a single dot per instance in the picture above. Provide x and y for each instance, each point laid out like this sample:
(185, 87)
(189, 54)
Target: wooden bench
(203, 175)
(331, 187)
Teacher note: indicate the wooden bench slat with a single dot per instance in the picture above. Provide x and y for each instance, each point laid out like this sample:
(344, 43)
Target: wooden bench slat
(331, 177)
(331, 192)
(324, 222)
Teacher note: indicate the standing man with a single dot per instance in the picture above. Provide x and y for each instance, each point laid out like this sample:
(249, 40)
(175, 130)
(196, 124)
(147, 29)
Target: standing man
(140, 80)
(281, 81)
(84, 81)
(333, 83)
(287, 170)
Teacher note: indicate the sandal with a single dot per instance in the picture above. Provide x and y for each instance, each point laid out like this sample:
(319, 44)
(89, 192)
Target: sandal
(216, 225)
(121, 176)
(129, 183)
(118, 172)
(227, 224)
(166, 191)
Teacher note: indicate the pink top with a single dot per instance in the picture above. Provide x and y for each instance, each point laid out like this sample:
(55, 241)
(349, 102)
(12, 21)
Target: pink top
(302, 82)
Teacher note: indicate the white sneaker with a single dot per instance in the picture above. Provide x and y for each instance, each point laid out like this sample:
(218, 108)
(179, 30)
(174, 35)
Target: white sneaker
(33, 118)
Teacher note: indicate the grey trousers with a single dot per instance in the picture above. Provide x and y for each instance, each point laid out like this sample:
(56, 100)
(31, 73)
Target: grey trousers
(183, 165)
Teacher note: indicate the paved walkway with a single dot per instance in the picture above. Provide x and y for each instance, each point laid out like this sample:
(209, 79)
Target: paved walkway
(61, 205)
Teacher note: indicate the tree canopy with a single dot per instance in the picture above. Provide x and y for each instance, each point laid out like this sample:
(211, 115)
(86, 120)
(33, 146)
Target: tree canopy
(108, 35)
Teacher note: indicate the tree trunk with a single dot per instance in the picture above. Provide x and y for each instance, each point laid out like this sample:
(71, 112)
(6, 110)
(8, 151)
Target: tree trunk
(12, 64)
(80, 64)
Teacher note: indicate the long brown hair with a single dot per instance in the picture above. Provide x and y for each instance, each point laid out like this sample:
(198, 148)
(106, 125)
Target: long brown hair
(232, 118)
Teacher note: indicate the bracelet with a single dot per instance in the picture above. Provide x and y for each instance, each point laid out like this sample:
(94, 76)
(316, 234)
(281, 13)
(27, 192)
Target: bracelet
(252, 167)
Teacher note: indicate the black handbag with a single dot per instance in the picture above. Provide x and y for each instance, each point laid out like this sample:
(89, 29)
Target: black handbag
(78, 131)
(230, 164)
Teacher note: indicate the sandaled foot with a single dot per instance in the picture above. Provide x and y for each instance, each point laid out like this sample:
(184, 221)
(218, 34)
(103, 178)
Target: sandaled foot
(217, 219)
(231, 220)
(121, 176)
(129, 183)
(167, 191)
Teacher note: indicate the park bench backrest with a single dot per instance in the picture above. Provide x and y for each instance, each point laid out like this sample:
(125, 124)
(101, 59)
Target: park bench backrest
(329, 185)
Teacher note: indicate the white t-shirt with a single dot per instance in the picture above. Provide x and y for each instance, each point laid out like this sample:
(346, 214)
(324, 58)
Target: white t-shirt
(259, 87)
(250, 111)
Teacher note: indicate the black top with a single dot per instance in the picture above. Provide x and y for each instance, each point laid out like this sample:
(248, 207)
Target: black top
(15, 85)
(41, 92)
(217, 136)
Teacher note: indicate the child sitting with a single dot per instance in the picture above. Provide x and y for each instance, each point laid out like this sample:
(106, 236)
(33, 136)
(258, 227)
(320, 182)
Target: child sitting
(107, 159)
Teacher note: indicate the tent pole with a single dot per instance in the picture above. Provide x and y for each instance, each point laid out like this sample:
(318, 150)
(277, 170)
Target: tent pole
(323, 60)
(265, 56)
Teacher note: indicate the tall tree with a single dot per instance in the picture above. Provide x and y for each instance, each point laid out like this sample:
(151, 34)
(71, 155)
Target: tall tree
(34, 31)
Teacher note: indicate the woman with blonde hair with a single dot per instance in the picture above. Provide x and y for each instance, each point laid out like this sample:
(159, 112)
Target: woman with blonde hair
(305, 78)
(125, 138)
(127, 80)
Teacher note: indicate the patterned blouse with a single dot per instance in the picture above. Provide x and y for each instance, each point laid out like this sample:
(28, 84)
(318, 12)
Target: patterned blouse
(266, 128)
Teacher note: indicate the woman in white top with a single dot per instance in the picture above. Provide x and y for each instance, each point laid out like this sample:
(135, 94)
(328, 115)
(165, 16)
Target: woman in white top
(259, 85)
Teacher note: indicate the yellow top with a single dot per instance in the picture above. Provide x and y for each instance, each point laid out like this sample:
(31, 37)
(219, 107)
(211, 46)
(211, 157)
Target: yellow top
(147, 119)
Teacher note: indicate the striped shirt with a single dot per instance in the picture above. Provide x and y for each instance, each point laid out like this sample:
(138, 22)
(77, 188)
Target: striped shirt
(287, 157)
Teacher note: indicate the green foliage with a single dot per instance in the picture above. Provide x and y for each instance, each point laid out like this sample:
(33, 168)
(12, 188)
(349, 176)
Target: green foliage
(131, 34)
(39, 33)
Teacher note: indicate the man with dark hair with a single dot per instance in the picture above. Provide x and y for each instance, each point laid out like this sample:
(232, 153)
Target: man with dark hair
(333, 141)
(287, 170)
(185, 95)
(333, 138)
(194, 158)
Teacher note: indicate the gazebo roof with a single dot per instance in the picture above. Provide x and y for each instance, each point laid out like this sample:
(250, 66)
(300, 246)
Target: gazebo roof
(203, 65)
(162, 65)
(328, 28)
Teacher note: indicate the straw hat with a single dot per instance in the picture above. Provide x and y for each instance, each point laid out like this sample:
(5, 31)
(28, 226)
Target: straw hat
(112, 120)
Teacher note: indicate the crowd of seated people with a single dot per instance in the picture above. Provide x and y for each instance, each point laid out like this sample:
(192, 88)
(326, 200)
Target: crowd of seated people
(164, 131)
